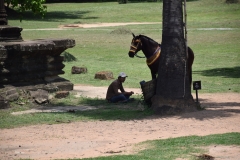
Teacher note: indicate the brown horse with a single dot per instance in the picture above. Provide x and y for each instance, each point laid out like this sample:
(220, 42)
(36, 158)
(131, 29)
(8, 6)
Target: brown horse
(152, 50)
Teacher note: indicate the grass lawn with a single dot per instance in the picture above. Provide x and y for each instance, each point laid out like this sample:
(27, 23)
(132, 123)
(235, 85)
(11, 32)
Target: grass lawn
(216, 50)
(213, 34)
(173, 148)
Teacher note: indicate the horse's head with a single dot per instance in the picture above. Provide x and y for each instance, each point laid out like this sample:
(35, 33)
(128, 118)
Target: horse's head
(136, 46)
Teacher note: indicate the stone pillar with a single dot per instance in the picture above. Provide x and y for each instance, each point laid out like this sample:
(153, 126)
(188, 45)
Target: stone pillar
(29, 65)
(3, 14)
(8, 33)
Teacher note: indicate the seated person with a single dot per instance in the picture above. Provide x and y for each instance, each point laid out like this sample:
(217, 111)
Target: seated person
(113, 95)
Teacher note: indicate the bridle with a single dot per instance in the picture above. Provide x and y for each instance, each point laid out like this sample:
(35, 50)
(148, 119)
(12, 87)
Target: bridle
(135, 48)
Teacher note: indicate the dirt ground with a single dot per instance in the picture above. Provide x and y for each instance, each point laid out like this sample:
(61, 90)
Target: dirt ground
(103, 138)
(97, 25)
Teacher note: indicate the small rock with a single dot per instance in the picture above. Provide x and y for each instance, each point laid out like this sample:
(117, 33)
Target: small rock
(3, 103)
(79, 70)
(104, 75)
(40, 96)
(61, 94)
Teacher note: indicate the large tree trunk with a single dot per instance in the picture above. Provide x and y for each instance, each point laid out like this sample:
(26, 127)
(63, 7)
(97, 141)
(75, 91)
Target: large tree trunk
(173, 93)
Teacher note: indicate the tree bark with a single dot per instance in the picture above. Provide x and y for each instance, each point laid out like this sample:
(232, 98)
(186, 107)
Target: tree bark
(173, 92)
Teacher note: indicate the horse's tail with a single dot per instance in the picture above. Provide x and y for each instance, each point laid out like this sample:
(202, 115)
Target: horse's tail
(190, 63)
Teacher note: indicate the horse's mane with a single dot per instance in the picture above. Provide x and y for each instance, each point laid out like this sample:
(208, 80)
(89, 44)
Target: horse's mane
(147, 38)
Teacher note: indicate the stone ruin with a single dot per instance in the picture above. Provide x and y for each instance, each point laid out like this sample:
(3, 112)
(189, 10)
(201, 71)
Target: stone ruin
(79, 70)
(29, 65)
(104, 75)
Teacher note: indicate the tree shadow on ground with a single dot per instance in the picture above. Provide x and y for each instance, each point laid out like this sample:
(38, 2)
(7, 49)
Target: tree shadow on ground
(56, 16)
(210, 114)
(233, 72)
(213, 110)
(113, 114)
(132, 111)
(110, 111)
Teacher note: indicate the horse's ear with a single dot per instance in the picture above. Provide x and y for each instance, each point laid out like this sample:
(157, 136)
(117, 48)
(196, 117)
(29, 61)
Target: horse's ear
(133, 35)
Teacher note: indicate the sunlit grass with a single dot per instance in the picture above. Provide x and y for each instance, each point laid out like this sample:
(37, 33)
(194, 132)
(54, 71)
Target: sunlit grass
(217, 55)
(177, 148)
(102, 49)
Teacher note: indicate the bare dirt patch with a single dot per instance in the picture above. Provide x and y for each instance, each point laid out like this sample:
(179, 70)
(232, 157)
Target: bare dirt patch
(103, 138)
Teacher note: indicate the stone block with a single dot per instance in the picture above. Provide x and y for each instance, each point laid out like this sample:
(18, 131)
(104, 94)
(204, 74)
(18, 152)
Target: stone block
(149, 90)
(79, 70)
(63, 85)
(104, 75)
(3, 103)
(40, 96)
(61, 94)
(9, 93)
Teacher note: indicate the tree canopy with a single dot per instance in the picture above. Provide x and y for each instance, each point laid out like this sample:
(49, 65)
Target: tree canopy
(36, 6)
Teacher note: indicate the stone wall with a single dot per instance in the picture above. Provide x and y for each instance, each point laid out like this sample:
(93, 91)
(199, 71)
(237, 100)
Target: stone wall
(33, 64)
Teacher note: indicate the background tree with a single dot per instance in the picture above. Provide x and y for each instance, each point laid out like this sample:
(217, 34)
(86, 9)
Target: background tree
(21, 6)
(232, 1)
(173, 92)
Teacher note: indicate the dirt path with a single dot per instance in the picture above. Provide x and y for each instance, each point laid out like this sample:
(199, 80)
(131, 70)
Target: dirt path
(102, 138)
(97, 25)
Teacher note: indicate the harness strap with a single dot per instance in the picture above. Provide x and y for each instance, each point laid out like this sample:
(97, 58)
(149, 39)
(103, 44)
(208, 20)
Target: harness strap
(154, 57)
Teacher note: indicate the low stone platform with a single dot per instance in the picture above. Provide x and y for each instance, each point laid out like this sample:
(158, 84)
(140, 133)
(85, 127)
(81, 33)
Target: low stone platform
(11, 92)
(32, 65)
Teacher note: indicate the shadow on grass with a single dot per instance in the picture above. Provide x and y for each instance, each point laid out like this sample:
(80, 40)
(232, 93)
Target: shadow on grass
(51, 16)
(233, 72)
(68, 57)
(131, 111)
(100, 109)
(105, 114)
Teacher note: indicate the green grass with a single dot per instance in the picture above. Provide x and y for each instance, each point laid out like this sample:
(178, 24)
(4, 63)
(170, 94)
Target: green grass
(105, 111)
(173, 148)
(109, 113)
(216, 64)
(201, 13)
(217, 54)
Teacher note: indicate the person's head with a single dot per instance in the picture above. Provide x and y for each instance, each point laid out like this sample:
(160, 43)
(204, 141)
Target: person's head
(122, 76)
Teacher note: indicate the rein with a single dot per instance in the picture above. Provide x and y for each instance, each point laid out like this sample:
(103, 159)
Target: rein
(139, 56)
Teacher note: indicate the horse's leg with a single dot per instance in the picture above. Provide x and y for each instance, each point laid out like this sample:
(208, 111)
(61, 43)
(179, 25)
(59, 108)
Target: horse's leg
(153, 71)
(153, 75)
(190, 77)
